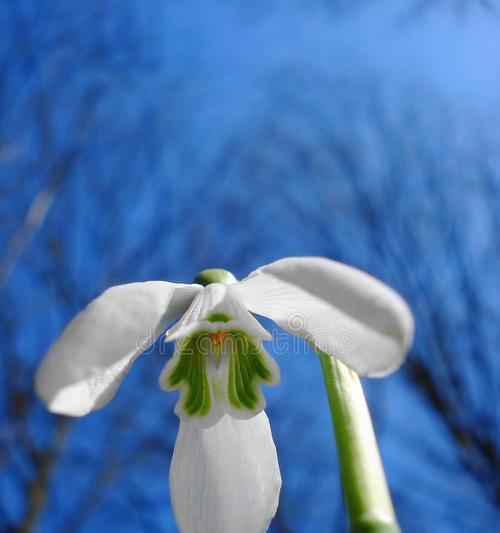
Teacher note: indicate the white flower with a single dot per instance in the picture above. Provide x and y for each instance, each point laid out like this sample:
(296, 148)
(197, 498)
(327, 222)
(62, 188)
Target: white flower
(224, 475)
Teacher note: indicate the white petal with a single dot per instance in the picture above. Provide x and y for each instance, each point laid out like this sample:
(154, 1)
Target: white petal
(340, 309)
(85, 366)
(225, 479)
(216, 298)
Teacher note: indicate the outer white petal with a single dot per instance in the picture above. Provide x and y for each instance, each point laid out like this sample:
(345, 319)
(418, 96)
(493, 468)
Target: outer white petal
(216, 298)
(85, 366)
(340, 309)
(225, 479)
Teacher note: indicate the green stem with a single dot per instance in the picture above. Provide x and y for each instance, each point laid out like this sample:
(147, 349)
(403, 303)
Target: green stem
(366, 494)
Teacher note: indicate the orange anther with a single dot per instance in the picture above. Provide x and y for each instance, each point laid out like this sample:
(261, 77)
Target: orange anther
(218, 337)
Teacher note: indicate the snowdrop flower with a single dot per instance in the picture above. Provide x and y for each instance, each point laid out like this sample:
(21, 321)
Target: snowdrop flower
(224, 476)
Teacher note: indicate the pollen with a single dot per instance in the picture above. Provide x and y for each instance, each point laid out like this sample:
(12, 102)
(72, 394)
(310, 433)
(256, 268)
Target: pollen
(218, 337)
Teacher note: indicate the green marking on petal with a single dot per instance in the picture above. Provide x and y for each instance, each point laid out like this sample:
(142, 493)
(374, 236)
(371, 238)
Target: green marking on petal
(218, 317)
(247, 370)
(190, 372)
(247, 366)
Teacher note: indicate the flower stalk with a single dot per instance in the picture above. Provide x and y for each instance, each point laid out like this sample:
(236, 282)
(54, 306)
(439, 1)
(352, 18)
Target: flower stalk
(365, 489)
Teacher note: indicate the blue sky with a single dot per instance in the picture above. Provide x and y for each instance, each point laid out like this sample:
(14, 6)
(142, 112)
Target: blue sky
(230, 134)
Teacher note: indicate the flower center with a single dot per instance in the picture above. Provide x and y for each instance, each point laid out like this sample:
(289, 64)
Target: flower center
(236, 388)
(218, 337)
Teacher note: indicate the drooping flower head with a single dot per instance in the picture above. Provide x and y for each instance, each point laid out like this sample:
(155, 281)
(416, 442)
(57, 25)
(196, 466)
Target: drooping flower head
(219, 362)
(224, 474)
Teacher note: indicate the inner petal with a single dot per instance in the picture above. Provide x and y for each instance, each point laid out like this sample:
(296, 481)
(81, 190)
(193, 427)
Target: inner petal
(244, 367)
(214, 309)
(220, 363)
(191, 370)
